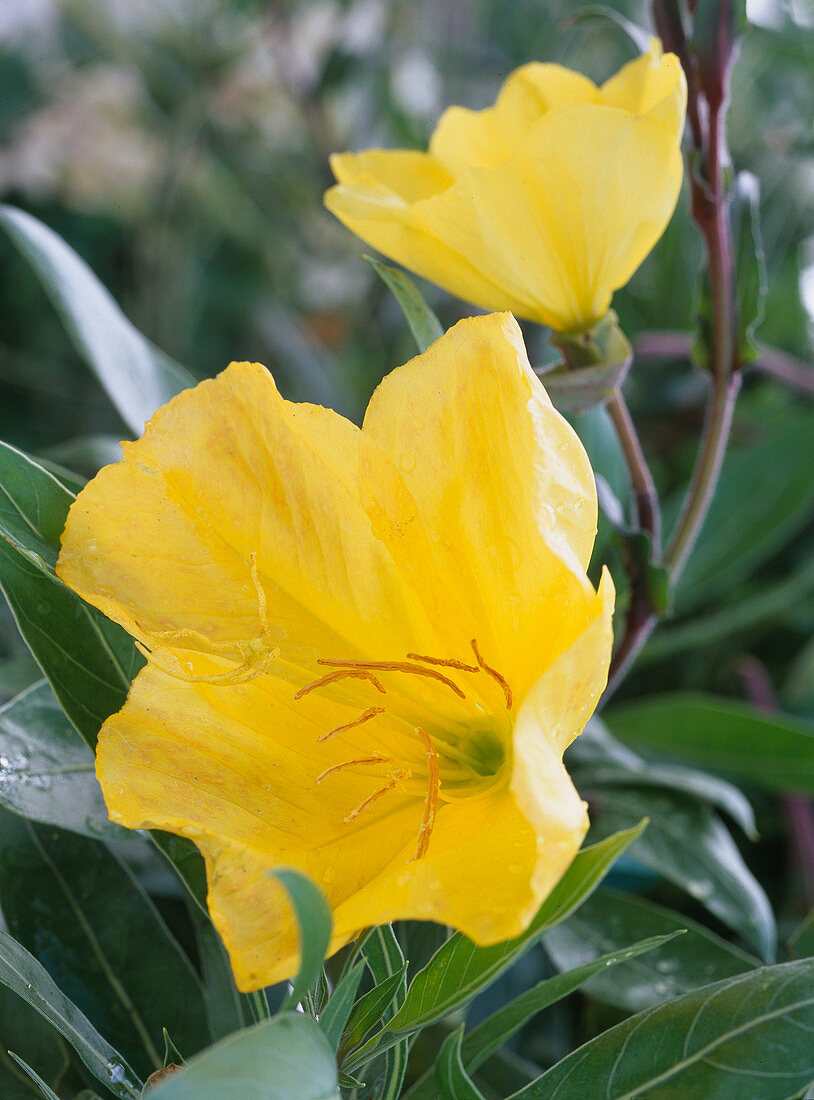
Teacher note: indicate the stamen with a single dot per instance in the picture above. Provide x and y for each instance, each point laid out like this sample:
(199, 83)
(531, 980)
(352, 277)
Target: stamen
(448, 662)
(507, 691)
(371, 712)
(431, 803)
(377, 758)
(357, 674)
(393, 666)
(393, 782)
(249, 669)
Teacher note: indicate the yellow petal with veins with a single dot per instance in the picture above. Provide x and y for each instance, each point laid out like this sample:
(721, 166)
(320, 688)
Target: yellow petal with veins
(502, 485)
(544, 204)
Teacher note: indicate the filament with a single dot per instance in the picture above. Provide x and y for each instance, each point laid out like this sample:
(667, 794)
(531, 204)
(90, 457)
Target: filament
(392, 782)
(371, 712)
(393, 666)
(447, 662)
(507, 691)
(377, 758)
(340, 674)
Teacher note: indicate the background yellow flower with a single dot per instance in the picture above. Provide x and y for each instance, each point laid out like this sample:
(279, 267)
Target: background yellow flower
(367, 648)
(543, 204)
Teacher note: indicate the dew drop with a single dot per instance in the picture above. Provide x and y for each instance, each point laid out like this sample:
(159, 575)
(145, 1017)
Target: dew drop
(408, 461)
(328, 875)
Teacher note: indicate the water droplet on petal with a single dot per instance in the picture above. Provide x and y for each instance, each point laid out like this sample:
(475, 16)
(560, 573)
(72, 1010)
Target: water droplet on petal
(408, 461)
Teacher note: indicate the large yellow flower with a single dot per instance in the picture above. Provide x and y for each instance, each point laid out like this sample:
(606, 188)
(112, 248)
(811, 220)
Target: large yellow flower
(368, 648)
(543, 204)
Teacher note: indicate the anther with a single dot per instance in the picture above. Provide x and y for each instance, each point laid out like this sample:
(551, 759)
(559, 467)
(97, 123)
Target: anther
(371, 712)
(393, 782)
(377, 758)
(447, 662)
(393, 666)
(341, 674)
(507, 691)
(431, 802)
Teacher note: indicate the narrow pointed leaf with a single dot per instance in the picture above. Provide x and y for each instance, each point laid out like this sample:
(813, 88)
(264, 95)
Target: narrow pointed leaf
(450, 1075)
(743, 1036)
(21, 972)
(46, 1090)
(608, 920)
(335, 1014)
(137, 376)
(32, 1038)
(370, 1008)
(424, 325)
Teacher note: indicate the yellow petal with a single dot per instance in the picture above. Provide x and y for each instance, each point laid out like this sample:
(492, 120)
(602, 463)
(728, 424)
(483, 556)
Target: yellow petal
(502, 487)
(467, 139)
(652, 85)
(563, 222)
(226, 473)
(234, 770)
(370, 200)
(544, 204)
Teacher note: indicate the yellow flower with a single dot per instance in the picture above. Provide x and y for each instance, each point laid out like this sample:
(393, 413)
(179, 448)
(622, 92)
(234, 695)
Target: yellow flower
(543, 204)
(368, 648)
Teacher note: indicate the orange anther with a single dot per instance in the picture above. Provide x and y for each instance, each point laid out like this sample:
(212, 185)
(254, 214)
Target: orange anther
(447, 662)
(371, 712)
(377, 758)
(507, 691)
(393, 782)
(340, 674)
(393, 666)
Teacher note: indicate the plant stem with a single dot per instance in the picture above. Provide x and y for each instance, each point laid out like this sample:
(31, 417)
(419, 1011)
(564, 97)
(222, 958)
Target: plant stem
(707, 470)
(709, 209)
(644, 490)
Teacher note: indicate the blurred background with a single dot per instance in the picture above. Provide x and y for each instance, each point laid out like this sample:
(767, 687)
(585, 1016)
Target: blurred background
(181, 147)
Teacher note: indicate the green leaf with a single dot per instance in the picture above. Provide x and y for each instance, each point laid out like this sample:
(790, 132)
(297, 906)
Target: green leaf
(335, 1014)
(459, 970)
(370, 1009)
(24, 1031)
(688, 844)
(172, 1055)
(88, 660)
(385, 960)
(137, 376)
(772, 751)
(577, 391)
(801, 943)
(453, 1080)
(33, 507)
(46, 1090)
(280, 1059)
(69, 900)
(20, 972)
(485, 1039)
(744, 1036)
(750, 264)
(187, 861)
(597, 759)
(47, 772)
(314, 921)
(424, 325)
(608, 920)
(751, 516)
